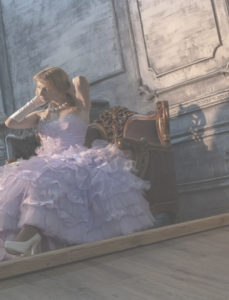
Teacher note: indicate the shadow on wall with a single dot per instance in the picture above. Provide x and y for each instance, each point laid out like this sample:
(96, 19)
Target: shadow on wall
(200, 163)
(196, 155)
(220, 140)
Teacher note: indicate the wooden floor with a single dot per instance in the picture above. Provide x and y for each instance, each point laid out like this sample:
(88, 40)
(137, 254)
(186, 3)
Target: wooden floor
(191, 267)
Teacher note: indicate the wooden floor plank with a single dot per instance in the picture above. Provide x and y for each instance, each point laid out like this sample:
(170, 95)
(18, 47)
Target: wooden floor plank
(115, 270)
(77, 253)
(180, 269)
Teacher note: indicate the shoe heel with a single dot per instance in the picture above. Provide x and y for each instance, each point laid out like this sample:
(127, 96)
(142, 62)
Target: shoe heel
(34, 248)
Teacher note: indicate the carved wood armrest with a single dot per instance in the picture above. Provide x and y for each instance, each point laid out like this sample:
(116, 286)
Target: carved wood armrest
(140, 150)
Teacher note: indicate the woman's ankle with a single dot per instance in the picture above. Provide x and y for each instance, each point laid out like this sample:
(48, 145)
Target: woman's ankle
(26, 233)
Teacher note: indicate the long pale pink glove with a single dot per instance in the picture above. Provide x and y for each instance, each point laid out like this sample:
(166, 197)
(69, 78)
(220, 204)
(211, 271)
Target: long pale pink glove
(20, 114)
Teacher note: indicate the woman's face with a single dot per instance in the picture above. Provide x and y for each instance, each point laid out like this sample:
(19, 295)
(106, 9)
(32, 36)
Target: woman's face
(48, 95)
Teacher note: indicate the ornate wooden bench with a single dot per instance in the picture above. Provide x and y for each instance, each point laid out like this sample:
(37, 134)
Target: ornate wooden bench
(148, 139)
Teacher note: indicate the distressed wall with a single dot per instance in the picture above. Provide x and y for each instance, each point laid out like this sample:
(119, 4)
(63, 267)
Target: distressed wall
(87, 38)
(184, 47)
(177, 49)
(7, 102)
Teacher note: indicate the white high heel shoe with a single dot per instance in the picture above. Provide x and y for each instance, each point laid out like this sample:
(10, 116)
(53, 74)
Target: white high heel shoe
(17, 248)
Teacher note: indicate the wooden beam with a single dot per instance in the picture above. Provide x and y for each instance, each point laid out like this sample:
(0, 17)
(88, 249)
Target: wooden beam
(84, 251)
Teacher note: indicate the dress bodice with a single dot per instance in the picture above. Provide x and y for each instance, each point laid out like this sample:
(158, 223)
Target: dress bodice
(62, 133)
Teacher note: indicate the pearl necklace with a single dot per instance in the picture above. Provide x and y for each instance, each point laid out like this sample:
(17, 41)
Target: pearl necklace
(60, 107)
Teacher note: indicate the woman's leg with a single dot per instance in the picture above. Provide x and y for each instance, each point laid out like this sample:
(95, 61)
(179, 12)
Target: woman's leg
(26, 233)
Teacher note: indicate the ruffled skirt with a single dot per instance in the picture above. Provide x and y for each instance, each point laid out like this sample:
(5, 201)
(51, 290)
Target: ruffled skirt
(77, 196)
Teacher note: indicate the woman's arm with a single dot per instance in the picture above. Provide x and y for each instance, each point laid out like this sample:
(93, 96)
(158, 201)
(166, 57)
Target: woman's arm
(23, 117)
(82, 91)
(29, 121)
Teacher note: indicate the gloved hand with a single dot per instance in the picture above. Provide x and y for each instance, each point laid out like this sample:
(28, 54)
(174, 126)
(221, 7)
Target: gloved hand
(20, 114)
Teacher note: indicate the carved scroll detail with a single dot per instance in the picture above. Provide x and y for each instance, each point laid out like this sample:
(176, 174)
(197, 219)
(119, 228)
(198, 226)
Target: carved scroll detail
(113, 122)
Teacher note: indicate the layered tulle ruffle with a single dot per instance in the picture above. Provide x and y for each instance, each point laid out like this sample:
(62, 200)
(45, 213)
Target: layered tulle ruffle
(76, 196)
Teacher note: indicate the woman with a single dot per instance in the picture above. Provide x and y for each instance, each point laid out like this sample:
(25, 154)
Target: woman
(67, 192)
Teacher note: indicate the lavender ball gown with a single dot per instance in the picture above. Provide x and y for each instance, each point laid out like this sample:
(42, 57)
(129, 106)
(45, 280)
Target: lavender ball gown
(72, 193)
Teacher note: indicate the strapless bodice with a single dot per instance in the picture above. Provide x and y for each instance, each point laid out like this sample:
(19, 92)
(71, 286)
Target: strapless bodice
(62, 133)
